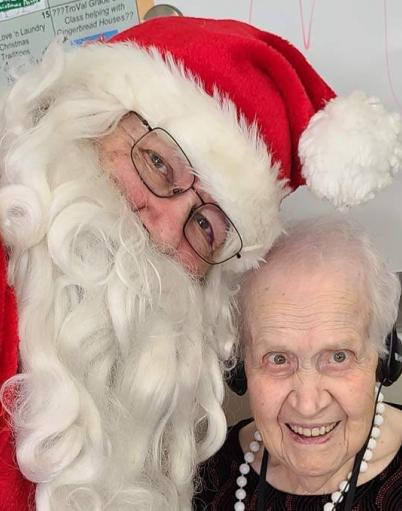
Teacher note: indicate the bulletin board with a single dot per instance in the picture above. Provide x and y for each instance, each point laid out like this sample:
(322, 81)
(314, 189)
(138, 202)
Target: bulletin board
(28, 26)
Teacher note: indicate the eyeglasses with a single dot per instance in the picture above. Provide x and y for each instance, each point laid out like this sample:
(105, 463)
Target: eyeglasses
(167, 172)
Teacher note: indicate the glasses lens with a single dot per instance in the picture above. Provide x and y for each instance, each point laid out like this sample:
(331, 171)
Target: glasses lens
(161, 164)
(211, 234)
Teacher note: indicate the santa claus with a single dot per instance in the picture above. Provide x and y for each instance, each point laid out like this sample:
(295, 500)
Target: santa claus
(139, 179)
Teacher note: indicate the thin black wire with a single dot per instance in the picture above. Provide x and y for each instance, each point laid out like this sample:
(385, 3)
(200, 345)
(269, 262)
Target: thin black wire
(262, 487)
(356, 467)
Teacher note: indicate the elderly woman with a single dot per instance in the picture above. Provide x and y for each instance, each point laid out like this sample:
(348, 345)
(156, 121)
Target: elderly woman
(314, 323)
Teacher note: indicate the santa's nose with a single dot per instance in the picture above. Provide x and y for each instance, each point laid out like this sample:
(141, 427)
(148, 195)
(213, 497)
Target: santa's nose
(165, 218)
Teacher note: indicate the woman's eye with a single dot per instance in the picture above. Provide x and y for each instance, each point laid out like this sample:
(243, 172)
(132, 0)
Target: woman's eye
(280, 364)
(339, 356)
(279, 359)
(336, 360)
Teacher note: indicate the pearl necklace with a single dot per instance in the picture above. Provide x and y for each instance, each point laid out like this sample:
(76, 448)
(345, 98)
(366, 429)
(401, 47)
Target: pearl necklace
(336, 496)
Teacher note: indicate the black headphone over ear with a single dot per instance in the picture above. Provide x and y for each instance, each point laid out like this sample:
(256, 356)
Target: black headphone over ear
(237, 380)
(388, 370)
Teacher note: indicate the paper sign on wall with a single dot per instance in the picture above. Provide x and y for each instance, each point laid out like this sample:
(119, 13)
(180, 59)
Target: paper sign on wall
(28, 26)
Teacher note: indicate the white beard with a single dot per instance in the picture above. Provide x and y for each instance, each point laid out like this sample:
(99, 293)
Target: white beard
(120, 387)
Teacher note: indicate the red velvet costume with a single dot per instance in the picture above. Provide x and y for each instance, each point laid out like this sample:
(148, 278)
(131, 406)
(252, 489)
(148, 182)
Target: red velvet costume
(16, 493)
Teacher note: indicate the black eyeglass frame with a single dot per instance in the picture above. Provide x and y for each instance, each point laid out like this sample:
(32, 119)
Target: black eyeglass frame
(182, 191)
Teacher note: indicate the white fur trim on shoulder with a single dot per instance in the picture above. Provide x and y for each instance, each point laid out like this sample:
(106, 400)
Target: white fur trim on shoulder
(351, 149)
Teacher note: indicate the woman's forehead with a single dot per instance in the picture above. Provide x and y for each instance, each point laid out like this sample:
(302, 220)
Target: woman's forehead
(316, 303)
(304, 285)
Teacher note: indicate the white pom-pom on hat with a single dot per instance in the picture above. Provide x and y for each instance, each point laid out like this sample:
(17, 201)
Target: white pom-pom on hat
(350, 149)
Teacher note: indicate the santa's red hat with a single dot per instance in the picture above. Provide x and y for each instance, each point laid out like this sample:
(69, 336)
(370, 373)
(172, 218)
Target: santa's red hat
(344, 148)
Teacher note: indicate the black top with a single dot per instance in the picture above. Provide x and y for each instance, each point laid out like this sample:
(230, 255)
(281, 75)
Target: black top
(217, 485)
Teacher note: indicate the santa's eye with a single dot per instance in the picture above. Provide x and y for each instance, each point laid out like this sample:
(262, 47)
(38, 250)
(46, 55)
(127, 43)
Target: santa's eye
(158, 164)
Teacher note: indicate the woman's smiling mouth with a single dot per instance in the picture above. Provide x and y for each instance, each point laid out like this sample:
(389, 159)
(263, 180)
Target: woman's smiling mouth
(315, 434)
(315, 431)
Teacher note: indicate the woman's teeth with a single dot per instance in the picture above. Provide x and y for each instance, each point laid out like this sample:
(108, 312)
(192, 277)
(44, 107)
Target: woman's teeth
(323, 430)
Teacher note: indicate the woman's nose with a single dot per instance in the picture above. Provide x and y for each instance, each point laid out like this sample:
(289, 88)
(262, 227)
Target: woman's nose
(164, 218)
(309, 397)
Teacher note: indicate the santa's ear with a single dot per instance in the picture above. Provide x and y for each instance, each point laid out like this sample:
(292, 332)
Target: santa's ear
(40, 110)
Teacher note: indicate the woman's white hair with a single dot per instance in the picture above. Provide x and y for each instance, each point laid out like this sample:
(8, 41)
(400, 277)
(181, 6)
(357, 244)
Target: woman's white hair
(120, 389)
(334, 242)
